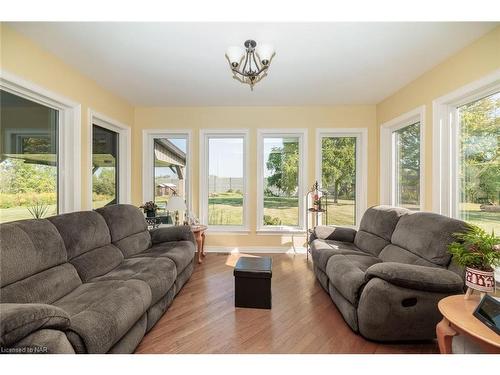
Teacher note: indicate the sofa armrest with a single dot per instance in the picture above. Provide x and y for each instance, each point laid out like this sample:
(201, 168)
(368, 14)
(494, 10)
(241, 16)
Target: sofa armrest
(332, 232)
(18, 320)
(174, 233)
(411, 276)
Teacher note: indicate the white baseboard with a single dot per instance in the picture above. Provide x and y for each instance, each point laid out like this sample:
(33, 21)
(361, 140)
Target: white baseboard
(255, 249)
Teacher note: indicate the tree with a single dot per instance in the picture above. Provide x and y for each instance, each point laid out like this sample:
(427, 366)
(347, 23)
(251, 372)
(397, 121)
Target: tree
(283, 162)
(338, 167)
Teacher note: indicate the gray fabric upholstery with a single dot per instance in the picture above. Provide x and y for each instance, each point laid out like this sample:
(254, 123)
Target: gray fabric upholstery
(29, 247)
(427, 235)
(175, 233)
(383, 316)
(18, 320)
(128, 228)
(322, 250)
(102, 312)
(156, 311)
(44, 287)
(376, 228)
(387, 283)
(88, 243)
(331, 232)
(183, 277)
(347, 274)
(181, 253)
(132, 338)
(44, 341)
(158, 273)
(430, 279)
(393, 253)
(347, 310)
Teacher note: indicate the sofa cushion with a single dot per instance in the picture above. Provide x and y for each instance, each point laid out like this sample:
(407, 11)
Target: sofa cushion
(128, 228)
(103, 312)
(332, 232)
(376, 228)
(159, 274)
(427, 235)
(29, 247)
(347, 274)
(393, 253)
(88, 243)
(180, 252)
(322, 250)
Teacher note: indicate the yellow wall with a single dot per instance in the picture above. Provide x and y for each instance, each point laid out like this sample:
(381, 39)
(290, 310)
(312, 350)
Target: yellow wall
(20, 56)
(196, 118)
(469, 64)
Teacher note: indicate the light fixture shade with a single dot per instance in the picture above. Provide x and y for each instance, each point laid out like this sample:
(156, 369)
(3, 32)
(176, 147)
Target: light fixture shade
(235, 54)
(265, 53)
(176, 203)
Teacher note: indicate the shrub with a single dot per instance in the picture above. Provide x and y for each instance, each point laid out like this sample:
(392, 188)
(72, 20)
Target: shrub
(269, 220)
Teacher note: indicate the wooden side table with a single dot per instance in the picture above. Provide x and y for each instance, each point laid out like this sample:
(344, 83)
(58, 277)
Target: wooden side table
(199, 234)
(458, 319)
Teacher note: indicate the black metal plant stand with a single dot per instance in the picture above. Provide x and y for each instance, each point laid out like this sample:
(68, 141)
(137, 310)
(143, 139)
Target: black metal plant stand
(319, 199)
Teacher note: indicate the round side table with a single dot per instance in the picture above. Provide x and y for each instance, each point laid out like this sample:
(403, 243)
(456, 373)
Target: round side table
(199, 234)
(458, 319)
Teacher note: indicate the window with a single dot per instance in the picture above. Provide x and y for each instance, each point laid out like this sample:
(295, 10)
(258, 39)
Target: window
(479, 162)
(341, 171)
(166, 167)
(466, 178)
(109, 172)
(281, 180)
(223, 179)
(401, 158)
(104, 167)
(170, 163)
(29, 163)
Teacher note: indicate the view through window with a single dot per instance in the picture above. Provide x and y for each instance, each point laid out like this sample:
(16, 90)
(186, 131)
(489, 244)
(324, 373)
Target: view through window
(170, 163)
(281, 181)
(225, 180)
(28, 164)
(479, 162)
(104, 167)
(407, 167)
(338, 178)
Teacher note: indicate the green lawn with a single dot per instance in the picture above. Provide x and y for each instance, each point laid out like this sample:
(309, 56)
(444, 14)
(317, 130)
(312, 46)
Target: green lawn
(489, 221)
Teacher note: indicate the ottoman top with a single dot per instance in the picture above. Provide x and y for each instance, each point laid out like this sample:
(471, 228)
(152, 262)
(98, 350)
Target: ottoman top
(254, 267)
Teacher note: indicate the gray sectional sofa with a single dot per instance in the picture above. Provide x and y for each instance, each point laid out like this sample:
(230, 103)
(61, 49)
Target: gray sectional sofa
(88, 282)
(387, 278)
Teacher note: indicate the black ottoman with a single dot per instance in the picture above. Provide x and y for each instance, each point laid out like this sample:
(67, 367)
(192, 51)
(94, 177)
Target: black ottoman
(252, 282)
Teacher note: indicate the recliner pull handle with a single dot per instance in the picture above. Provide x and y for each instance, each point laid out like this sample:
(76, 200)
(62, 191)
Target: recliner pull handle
(409, 302)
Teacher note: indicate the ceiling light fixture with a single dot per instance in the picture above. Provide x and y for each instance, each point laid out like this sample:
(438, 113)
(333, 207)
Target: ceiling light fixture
(256, 61)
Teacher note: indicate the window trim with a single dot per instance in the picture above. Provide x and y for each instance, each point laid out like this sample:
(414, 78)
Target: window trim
(205, 134)
(388, 153)
(444, 143)
(301, 133)
(124, 154)
(361, 135)
(68, 137)
(148, 136)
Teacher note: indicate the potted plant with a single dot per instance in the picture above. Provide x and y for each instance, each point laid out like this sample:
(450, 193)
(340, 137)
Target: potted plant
(479, 253)
(149, 208)
(38, 210)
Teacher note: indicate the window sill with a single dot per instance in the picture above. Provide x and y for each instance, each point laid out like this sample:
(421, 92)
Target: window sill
(280, 231)
(231, 230)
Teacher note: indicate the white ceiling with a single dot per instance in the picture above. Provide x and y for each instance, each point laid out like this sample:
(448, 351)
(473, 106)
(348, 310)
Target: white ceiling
(170, 64)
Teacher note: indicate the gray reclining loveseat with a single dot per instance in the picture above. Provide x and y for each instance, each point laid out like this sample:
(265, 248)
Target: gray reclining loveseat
(387, 278)
(88, 282)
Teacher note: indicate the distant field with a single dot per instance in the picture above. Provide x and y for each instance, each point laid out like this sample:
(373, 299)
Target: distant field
(489, 221)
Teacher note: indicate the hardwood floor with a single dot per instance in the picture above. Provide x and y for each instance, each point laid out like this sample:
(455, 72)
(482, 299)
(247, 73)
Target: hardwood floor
(203, 319)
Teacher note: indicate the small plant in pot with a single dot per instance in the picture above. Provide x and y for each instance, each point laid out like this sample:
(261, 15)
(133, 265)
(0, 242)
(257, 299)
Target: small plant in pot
(149, 208)
(479, 253)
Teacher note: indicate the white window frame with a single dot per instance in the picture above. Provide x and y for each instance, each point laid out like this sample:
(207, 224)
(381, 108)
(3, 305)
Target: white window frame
(148, 137)
(69, 137)
(205, 135)
(301, 134)
(388, 154)
(361, 135)
(445, 160)
(124, 154)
